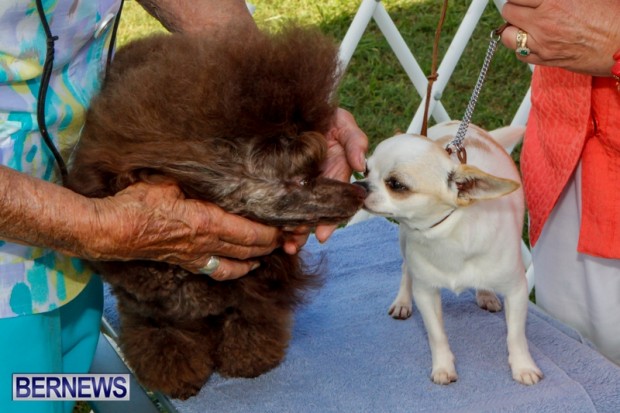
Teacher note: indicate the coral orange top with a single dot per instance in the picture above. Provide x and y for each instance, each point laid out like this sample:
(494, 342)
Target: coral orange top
(574, 116)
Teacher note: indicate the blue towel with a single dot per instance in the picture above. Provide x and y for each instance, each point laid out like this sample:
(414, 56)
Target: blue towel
(348, 355)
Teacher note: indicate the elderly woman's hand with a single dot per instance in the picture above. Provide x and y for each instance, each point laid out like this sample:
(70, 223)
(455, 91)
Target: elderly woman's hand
(581, 36)
(156, 222)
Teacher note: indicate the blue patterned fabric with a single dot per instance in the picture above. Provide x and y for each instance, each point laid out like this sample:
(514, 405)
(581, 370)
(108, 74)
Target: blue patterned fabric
(35, 280)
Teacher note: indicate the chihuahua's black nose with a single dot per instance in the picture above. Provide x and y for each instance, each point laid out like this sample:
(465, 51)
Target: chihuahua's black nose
(363, 184)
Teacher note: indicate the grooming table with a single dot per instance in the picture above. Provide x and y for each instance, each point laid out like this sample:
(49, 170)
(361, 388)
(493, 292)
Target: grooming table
(348, 355)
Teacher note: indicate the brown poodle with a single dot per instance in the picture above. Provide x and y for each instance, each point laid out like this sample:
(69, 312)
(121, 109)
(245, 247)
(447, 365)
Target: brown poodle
(239, 122)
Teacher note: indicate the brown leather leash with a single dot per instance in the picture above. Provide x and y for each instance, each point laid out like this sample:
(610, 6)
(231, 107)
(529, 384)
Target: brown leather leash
(433, 76)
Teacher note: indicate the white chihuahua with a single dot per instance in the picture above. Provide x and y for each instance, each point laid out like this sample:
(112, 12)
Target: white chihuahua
(460, 227)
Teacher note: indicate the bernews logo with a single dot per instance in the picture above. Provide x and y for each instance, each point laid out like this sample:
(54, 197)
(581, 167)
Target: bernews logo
(70, 387)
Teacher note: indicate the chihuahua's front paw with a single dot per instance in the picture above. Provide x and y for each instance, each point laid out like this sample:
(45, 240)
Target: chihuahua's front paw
(524, 369)
(401, 309)
(444, 375)
(487, 300)
(527, 375)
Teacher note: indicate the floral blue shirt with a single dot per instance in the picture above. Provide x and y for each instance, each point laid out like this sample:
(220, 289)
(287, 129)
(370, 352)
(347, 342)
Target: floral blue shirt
(35, 280)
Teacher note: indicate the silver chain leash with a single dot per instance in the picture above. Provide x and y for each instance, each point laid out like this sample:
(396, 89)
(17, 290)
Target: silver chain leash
(457, 142)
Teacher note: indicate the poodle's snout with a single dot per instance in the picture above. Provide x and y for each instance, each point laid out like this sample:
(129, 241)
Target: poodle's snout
(364, 185)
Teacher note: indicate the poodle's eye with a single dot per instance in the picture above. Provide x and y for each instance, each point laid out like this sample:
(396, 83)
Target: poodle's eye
(300, 180)
(395, 185)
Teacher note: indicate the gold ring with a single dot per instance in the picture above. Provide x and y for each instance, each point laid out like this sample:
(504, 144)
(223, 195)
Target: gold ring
(522, 48)
(211, 265)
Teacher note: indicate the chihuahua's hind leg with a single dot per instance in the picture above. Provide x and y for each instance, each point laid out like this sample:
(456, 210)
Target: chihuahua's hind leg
(487, 300)
(402, 307)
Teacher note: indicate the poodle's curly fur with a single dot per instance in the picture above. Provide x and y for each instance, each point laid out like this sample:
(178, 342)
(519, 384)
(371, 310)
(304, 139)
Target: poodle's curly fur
(234, 120)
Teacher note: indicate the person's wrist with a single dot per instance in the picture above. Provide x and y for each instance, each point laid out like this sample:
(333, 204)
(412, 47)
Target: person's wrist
(94, 234)
(75, 233)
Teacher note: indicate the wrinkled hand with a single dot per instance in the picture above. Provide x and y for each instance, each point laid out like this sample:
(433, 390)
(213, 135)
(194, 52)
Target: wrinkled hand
(577, 35)
(156, 222)
(347, 147)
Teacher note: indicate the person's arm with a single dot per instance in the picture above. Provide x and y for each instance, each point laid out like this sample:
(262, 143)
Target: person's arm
(152, 222)
(577, 35)
(199, 15)
(36, 212)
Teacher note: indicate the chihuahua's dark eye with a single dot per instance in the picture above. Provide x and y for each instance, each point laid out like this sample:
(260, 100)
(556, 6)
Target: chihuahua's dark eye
(395, 185)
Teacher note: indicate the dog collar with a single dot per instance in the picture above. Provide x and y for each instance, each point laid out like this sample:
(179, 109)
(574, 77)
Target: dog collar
(442, 219)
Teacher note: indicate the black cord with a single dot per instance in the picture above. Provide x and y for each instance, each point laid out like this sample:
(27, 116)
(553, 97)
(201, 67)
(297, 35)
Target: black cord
(113, 39)
(45, 80)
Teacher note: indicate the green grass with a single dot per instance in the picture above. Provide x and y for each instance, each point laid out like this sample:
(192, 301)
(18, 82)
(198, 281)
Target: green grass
(375, 88)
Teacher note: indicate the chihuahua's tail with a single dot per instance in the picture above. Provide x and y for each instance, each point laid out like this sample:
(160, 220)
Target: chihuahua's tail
(508, 136)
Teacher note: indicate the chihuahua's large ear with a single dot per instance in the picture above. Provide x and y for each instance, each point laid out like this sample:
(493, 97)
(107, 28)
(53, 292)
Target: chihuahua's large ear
(473, 184)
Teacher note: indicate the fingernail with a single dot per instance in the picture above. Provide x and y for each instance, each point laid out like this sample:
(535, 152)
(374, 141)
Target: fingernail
(362, 162)
(255, 266)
